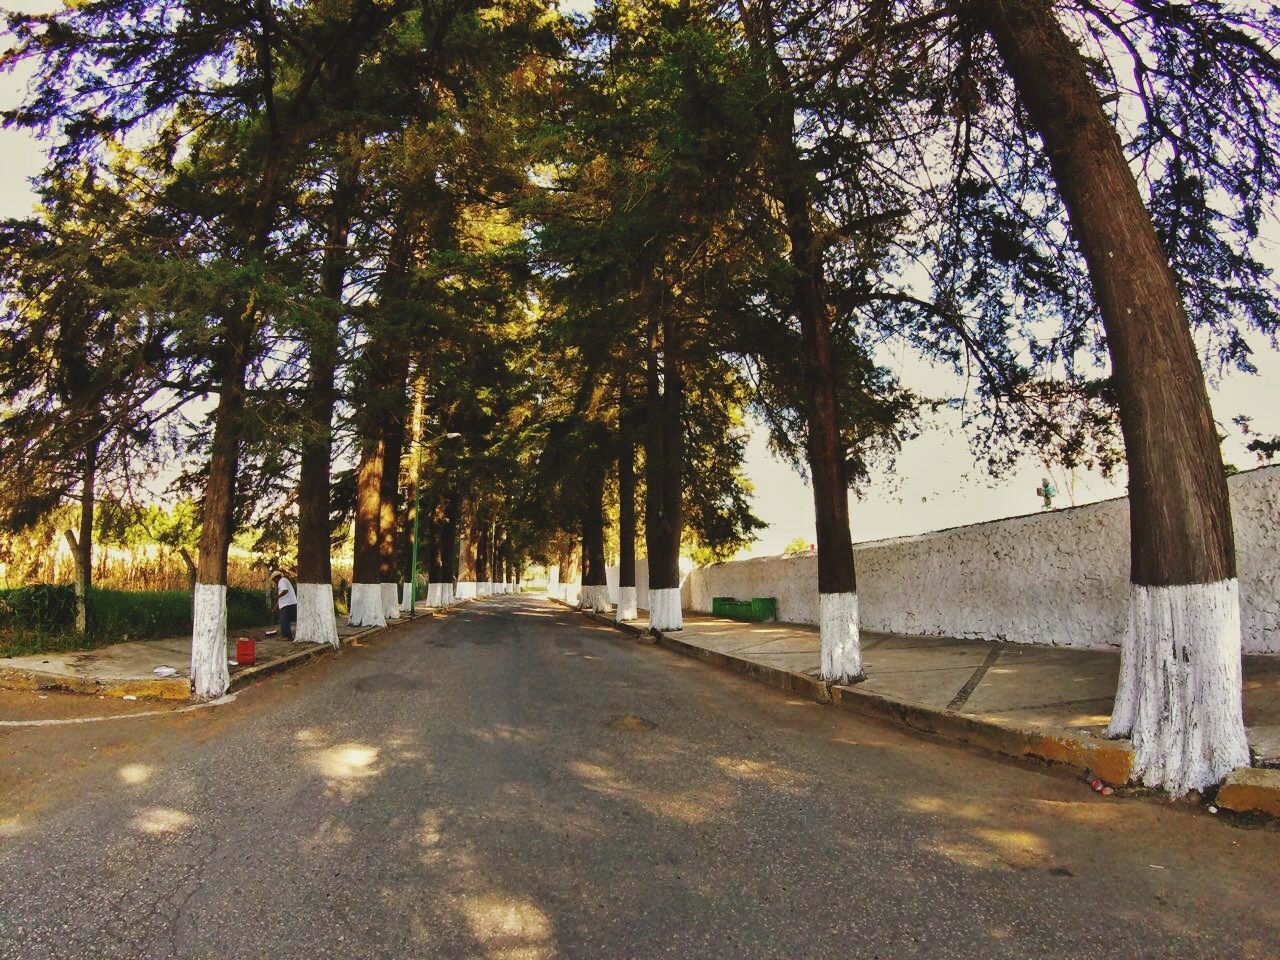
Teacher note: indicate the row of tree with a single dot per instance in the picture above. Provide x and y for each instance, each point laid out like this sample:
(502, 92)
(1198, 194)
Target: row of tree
(535, 267)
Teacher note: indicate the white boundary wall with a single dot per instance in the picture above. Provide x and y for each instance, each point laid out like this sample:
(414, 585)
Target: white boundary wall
(1059, 577)
(642, 582)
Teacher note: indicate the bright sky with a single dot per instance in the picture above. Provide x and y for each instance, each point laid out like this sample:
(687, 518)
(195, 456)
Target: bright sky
(936, 483)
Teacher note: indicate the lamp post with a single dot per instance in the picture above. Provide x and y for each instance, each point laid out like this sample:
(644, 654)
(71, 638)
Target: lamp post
(413, 550)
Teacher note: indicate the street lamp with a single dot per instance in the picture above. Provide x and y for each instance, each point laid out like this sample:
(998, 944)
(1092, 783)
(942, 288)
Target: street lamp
(413, 553)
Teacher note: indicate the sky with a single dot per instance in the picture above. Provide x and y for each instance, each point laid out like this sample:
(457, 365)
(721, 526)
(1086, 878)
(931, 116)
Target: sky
(935, 483)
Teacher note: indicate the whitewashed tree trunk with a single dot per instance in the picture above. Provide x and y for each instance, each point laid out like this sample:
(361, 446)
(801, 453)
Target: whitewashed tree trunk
(466, 589)
(366, 606)
(210, 677)
(1179, 697)
(390, 600)
(838, 629)
(317, 622)
(664, 609)
(626, 605)
(595, 598)
(407, 598)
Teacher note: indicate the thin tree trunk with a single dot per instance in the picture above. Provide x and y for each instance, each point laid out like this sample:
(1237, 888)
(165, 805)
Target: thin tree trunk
(468, 534)
(82, 546)
(449, 542)
(190, 565)
(366, 595)
(210, 676)
(316, 620)
(595, 584)
(626, 512)
(664, 475)
(837, 586)
(389, 508)
(483, 542)
(1179, 695)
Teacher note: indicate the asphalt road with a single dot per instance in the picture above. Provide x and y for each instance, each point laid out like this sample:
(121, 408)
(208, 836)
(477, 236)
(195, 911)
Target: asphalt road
(513, 782)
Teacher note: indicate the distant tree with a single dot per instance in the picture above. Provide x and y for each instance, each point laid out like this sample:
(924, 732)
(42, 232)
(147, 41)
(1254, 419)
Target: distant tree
(797, 546)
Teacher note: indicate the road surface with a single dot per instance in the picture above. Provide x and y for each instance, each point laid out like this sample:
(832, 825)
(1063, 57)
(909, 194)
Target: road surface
(514, 782)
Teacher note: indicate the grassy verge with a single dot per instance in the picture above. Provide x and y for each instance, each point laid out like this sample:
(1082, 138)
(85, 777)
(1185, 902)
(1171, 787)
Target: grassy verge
(41, 618)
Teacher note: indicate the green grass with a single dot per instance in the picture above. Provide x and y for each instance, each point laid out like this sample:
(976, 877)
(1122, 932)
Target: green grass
(41, 618)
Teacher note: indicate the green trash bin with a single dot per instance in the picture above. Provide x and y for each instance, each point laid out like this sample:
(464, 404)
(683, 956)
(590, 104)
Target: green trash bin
(764, 608)
(720, 606)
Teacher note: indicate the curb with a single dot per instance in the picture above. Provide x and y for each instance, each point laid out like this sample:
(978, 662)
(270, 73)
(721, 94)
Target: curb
(1251, 790)
(1110, 760)
(160, 688)
(179, 688)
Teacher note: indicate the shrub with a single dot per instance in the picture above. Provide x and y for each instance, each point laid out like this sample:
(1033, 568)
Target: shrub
(43, 616)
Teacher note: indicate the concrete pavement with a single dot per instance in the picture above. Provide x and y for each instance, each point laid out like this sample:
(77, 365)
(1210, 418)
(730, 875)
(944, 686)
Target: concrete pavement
(129, 669)
(514, 781)
(1050, 703)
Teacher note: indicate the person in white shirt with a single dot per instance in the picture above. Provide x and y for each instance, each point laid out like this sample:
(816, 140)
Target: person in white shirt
(287, 601)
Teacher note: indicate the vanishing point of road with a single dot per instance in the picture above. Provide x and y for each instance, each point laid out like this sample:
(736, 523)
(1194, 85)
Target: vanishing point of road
(512, 781)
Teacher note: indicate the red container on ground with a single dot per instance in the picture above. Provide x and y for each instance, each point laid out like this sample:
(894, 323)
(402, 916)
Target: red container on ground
(246, 651)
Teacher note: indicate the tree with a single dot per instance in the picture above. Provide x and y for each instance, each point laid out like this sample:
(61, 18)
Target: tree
(992, 123)
(81, 357)
(1180, 695)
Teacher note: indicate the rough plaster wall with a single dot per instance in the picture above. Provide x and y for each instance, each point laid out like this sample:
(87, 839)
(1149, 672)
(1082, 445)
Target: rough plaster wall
(1058, 578)
(642, 582)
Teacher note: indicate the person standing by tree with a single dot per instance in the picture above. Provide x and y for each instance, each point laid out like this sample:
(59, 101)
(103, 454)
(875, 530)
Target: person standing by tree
(287, 602)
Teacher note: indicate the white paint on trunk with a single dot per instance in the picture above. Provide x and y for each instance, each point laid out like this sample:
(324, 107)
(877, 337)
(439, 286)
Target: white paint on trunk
(1179, 696)
(407, 599)
(664, 609)
(595, 597)
(627, 605)
(390, 602)
(838, 630)
(210, 677)
(366, 606)
(317, 622)
(466, 589)
(433, 594)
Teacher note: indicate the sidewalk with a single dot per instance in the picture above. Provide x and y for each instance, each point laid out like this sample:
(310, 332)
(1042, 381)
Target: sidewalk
(128, 669)
(1047, 702)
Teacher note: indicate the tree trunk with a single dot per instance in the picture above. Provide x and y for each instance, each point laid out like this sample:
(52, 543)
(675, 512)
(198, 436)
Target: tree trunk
(626, 515)
(210, 676)
(483, 544)
(449, 547)
(366, 595)
(837, 587)
(82, 547)
(191, 567)
(435, 555)
(595, 584)
(316, 620)
(664, 475)
(1180, 694)
(567, 569)
(468, 535)
(389, 508)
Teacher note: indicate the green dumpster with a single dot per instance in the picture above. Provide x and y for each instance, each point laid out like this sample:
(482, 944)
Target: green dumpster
(756, 610)
(764, 608)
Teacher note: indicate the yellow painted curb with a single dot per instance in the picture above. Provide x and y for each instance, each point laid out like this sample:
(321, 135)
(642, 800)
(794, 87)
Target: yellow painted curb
(1251, 790)
(161, 688)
